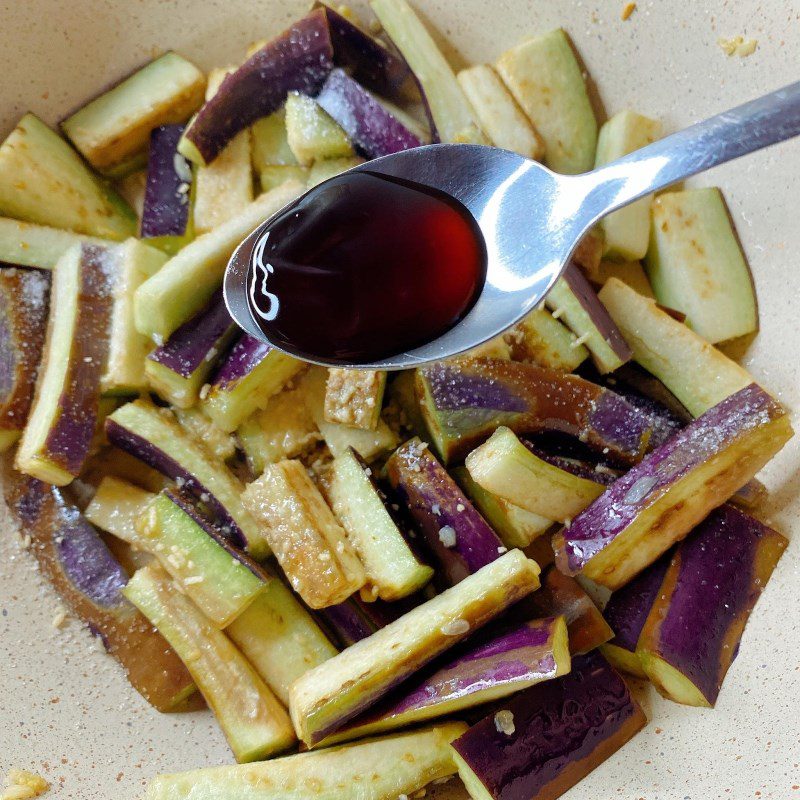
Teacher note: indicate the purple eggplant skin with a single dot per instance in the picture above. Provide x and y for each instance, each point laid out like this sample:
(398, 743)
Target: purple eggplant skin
(626, 612)
(713, 581)
(70, 437)
(436, 503)
(166, 195)
(24, 300)
(575, 466)
(346, 622)
(187, 503)
(596, 311)
(477, 672)
(560, 595)
(188, 348)
(141, 448)
(660, 500)
(562, 730)
(298, 60)
(368, 125)
(244, 357)
(368, 60)
(76, 561)
(464, 402)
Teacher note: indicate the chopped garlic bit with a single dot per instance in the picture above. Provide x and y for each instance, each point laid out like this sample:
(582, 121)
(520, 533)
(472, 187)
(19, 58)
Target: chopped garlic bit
(502, 549)
(628, 9)
(738, 45)
(60, 617)
(192, 579)
(456, 627)
(504, 722)
(21, 785)
(460, 507)
(447, 536)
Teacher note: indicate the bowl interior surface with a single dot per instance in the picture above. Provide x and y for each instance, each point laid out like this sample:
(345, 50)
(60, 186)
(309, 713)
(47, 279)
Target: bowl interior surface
(66, 709)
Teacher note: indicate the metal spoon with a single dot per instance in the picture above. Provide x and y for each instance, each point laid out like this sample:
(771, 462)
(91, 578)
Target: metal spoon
(532, 218)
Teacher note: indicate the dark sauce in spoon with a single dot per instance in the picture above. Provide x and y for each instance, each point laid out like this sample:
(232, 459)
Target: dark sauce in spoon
(364, 267)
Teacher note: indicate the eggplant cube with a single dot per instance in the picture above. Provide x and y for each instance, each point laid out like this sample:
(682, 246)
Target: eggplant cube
(549, 737)
(661, 499)
(713, 581)
(354, 397)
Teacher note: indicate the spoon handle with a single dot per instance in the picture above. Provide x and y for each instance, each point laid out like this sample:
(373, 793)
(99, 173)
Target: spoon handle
(768, 120)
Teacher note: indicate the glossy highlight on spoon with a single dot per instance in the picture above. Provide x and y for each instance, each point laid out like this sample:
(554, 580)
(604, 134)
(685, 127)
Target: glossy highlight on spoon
(363, 267)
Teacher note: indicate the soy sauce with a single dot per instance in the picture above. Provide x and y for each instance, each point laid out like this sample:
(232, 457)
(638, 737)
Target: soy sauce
(365, 267)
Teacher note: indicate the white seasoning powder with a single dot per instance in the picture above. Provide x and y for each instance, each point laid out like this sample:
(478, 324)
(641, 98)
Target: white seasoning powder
(456, 627)
(504, 722)
(447, 536)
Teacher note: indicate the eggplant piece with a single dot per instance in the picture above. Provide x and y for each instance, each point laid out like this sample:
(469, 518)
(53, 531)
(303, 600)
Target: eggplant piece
(550, 736)
(254, 722)
(116, 507)
(24, 244)
(23, 319)
(166, 213)
(273, 176)
(403, 403)
(43, 180)
(153, 436)
(696, 265)
(627, 231)
(661, 499)
(283, 429)
(111, 132)
(368, 125)
(298, 60)
(387, 768)
(279, 638)
(458, 537)
(698, 374)
(547, 81)
(330, 168)
(74, 559)
(355, 397)
(309, 544)
(178, 368)
(449, 110)
(542, 340)
(219, 579)
(133, 262)
(56, 440)
(195, 422)
(184, 285)
(392, 568)
(270, 142)
(250, 374)
(498, 113)
(224, 188)
(313, 135)
(367, 59)
(348, 621)
(629, 272)
(573, 300)
(626, 612)
(326, 697)
(479, 672)
(504, 466)
(710, 587)
(339, 438)
(516, 527)
(464, 402)
(560, 595)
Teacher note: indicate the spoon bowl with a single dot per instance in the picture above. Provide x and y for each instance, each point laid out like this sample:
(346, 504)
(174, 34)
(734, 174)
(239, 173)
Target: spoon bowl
(531, 218)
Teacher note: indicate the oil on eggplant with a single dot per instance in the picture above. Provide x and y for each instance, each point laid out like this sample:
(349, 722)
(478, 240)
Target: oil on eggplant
(73, 557)
(459, 538)
(549, 737)
(660, 500)
(464, 402)
(710, 587)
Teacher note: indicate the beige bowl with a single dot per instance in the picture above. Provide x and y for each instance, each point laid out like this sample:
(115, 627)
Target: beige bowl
(65, 708)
